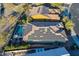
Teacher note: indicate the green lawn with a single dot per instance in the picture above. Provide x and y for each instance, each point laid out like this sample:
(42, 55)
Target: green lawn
(12, 47)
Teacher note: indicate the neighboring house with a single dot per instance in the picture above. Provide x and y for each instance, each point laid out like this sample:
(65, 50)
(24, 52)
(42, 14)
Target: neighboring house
(52, 52)
(39, 10)
(42, 12)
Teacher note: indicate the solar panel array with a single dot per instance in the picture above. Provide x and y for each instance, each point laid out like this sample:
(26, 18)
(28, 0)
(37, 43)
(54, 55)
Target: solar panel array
(43, 24)
(47, 36)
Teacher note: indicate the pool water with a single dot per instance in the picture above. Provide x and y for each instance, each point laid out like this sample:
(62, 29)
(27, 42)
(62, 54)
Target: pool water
(18, 30)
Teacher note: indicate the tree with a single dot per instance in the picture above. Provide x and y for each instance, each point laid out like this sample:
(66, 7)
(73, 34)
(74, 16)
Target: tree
(19, 8)
(65, 19)
(68, 23)
(38, 4)
(24, 9)
(27, 8)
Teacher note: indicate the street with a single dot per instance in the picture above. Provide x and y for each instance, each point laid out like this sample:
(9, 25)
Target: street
(75, 13)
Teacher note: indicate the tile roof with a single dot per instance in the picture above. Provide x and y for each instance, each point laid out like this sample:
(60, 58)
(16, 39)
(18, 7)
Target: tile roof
(53, 17)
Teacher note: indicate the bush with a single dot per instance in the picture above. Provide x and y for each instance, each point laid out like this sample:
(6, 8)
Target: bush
(56, 4)
(68, 23)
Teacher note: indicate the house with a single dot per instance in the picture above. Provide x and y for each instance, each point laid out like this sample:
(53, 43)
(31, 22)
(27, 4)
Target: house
(43, 32)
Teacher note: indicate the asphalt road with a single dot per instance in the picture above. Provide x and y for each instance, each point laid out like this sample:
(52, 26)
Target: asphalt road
(75, 14)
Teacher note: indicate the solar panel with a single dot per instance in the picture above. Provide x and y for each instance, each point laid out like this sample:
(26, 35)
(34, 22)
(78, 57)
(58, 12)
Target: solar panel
(45, 34)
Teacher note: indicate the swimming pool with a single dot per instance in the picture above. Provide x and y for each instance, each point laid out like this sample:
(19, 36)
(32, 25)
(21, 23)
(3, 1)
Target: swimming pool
(18, 31)
(17, 35)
